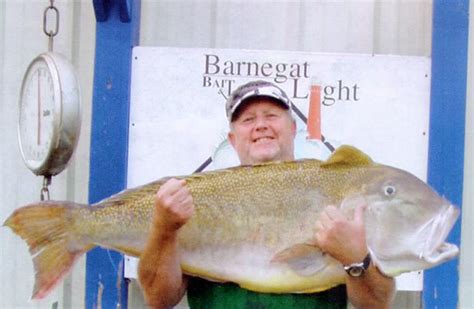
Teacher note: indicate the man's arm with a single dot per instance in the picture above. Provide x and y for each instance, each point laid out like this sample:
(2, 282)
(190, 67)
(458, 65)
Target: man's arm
(371, 290)
(159, 270)
(345, 240)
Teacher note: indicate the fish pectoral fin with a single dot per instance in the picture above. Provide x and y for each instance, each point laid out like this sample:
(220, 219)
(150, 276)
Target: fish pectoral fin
(304, 259)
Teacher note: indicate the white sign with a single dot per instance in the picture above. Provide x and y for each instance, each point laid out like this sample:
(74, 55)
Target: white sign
(379, 104)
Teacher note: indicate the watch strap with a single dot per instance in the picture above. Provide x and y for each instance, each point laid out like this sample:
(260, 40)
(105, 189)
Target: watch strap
(360, 267)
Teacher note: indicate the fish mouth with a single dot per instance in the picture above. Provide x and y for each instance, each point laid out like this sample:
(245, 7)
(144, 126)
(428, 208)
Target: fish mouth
(436, 250)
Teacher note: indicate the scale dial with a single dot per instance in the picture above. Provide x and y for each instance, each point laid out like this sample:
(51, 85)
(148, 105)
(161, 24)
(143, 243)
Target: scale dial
(49, 121)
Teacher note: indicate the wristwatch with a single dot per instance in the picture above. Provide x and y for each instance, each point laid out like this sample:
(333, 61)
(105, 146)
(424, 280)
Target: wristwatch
(358, 269)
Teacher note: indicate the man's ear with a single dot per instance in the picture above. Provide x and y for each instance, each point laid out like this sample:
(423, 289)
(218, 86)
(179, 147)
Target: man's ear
(231, 138)
(294, 128)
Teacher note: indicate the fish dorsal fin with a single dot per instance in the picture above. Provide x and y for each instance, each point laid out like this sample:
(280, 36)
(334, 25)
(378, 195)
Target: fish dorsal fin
(349, 156)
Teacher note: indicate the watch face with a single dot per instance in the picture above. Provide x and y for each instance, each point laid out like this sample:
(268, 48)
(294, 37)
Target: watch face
(356, 271)
(37, 114)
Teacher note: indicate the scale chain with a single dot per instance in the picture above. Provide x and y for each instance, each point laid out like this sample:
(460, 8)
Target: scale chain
(51, 33)
(45, 189)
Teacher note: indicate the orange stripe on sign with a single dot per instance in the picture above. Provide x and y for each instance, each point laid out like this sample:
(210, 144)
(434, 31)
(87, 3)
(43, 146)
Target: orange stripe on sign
(314, 113)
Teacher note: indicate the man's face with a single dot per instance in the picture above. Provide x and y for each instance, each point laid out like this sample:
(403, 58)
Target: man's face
(264, 131)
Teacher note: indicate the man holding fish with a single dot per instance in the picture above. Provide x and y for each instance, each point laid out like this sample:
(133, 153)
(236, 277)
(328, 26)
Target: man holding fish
(264, 227)
(262, 129)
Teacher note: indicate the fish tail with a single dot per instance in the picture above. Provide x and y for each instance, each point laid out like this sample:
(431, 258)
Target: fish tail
(48, 229)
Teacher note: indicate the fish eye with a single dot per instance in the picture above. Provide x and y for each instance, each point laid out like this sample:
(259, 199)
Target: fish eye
(389, 190)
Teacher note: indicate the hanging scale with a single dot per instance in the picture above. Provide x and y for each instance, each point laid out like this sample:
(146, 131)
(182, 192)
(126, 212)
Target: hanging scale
(50, 109)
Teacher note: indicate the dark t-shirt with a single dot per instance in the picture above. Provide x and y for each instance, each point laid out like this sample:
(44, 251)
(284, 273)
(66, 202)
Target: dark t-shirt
(206, 294)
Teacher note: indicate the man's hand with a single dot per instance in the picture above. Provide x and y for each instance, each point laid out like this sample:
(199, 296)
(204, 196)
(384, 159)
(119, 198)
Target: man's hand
(173, 205)
(340, 237)
(344, 239)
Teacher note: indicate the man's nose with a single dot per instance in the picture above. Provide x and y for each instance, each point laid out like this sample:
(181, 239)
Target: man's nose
(261, 123)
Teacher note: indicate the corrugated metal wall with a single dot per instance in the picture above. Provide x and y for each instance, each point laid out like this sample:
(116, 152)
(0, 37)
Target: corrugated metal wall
(351, 26)
(401, 27)
(466, 276)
